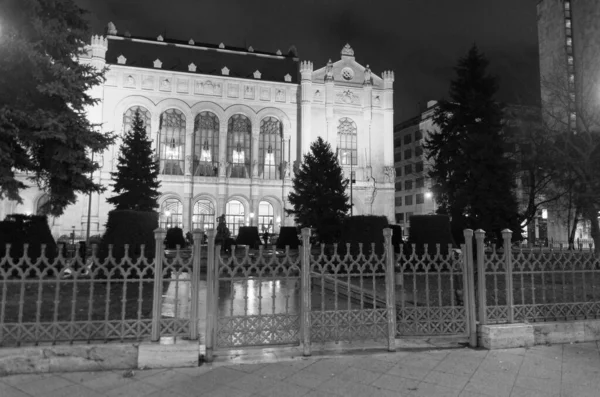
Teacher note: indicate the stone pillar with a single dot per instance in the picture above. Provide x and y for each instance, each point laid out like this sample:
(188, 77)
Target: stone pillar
(223, 149)
(306, 69)
(221, 201)
(329, 105)
(189, 147)
(254, 151)
(388, 117)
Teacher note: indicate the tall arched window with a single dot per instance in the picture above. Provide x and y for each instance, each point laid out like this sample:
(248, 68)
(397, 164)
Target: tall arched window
(172, 142)
(265, 217)
(234, 216)
(39, 206)
(204, 215)
(206, 144)
(171, 211)
(269, 148)
(347, 142)
(129, 115)
(239, 130)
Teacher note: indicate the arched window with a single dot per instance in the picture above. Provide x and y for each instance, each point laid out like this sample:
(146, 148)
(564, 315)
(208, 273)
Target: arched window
(171, 210)
(269, 149)
(206, 144)
(172, 142)
(39, 206)
(239, 130)
(130, 114)
(204, 215)
(234, 216)
(347, 142)
(265, 217)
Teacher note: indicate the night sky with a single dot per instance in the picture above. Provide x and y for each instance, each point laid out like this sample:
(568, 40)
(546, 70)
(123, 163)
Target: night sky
(420, 40)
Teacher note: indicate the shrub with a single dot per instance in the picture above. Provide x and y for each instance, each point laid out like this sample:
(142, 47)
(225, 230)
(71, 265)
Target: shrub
(174, 238)
(431, 230)
(365, 229)
(129, 227)
(19, 229)
(288, 235)
(248, 235)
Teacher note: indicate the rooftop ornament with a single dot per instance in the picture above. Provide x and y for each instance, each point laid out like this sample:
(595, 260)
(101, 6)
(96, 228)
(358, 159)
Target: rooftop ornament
(250, 49)
(121, 60)
(278, 52)
(221, 45)
(287, 78)
(158, 64)
(192, 67)
(347, 51)
(225, 71)
(111, 29)
(160, 38)
(191, 42)
(257, 74)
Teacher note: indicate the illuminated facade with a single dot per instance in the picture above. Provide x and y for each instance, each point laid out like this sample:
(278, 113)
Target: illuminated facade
(230, 125)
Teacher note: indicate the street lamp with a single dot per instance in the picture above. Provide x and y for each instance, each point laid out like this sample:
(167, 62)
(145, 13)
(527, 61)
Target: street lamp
(428, 195)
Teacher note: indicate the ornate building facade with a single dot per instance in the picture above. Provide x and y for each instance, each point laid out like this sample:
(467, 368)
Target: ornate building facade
(229, 127)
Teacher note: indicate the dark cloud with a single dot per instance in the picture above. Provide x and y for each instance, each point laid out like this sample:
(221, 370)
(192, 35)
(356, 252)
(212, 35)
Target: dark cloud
(420, 40)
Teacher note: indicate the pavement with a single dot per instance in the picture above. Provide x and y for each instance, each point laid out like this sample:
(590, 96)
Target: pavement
(557, 370)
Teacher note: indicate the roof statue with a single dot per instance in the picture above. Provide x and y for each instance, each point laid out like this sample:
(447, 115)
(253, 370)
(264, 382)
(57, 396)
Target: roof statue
(329, 71)
(367, 75)
(347, 50)
(111, 28)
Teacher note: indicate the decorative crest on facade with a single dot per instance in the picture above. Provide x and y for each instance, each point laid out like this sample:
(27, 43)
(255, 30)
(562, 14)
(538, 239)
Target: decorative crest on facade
(347, 50)
(287, 78)
(225, 71)
(278, 52)
(160, 38)
(250, 49)
(257, 74)
(157, 64)
(192, 67)
(191, 42)
(221, 45)
(121, 60)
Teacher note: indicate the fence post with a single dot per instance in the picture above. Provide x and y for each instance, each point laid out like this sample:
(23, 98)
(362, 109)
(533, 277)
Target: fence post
(305, 288)
(469, 286)
(481, 290)
(390, 290)
(211, 299)
(159, 238)
(507, 237)
(196, 257)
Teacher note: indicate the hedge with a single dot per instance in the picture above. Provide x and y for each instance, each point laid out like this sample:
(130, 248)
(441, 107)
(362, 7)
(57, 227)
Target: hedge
(129, 227)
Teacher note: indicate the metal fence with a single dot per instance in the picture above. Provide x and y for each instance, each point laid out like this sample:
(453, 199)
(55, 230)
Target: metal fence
(62, 299)
(516, 285)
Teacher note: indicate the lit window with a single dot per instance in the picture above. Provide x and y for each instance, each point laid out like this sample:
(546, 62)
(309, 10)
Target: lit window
(204, 215)
(569, 41)
(206, 143)
(129, 115)
(234, 216)
(172, 142)
(265, 217)
(239, 132)
(270, 148)
(347, 141)
(172, 212)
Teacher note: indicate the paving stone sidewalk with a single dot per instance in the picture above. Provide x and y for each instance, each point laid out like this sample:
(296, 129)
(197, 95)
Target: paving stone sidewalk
(571, 370)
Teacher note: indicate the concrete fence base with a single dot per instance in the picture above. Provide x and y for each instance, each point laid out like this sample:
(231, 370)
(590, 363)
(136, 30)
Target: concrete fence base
(506, 336)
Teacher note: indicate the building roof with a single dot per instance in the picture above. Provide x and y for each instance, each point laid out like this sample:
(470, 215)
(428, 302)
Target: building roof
(176, 55)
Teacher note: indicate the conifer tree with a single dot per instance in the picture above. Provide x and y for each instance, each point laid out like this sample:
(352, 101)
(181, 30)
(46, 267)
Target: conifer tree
(472, 177)
(136, 181)
(44, 96)
(319, 197)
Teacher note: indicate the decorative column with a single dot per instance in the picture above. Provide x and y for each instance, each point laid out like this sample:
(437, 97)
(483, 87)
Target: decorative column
(254, 151)
(388, 116)
(223, 150)
(329, 102)
(189, 147)
(306, 69)
(368, 116)
(221, 201)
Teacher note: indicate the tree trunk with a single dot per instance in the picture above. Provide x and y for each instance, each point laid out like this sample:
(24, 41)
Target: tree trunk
(571, 236)
(591, 213)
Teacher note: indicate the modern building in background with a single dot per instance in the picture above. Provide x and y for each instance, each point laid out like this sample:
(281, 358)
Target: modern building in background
(229, 126)
(413, 187)
(569, 51)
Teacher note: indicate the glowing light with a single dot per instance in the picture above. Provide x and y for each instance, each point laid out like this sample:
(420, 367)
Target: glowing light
(544, 213)
(278, 219)
(428, 195)
(167, 213)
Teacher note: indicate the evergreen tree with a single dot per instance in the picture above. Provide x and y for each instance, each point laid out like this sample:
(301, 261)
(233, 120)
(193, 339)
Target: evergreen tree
(473, 178)
(319, 197)
(44, 95)
(136, 181)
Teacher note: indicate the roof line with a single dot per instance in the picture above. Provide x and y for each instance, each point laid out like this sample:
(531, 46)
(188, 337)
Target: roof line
(197, 47)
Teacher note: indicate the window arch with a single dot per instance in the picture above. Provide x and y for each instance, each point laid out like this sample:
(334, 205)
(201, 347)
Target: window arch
(347, 142)
(172, 212)
(269, 149)
(172, 142)
(130, 114)
(203, 216)
(206, 144)
(39, 206)
(239, 130)
(266, 218)
(234, 216)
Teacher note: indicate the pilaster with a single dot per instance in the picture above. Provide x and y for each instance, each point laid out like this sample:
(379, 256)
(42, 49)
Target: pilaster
(388, 116)
(222, 150)
(189, 146)
(254, 151)
(306, 69)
